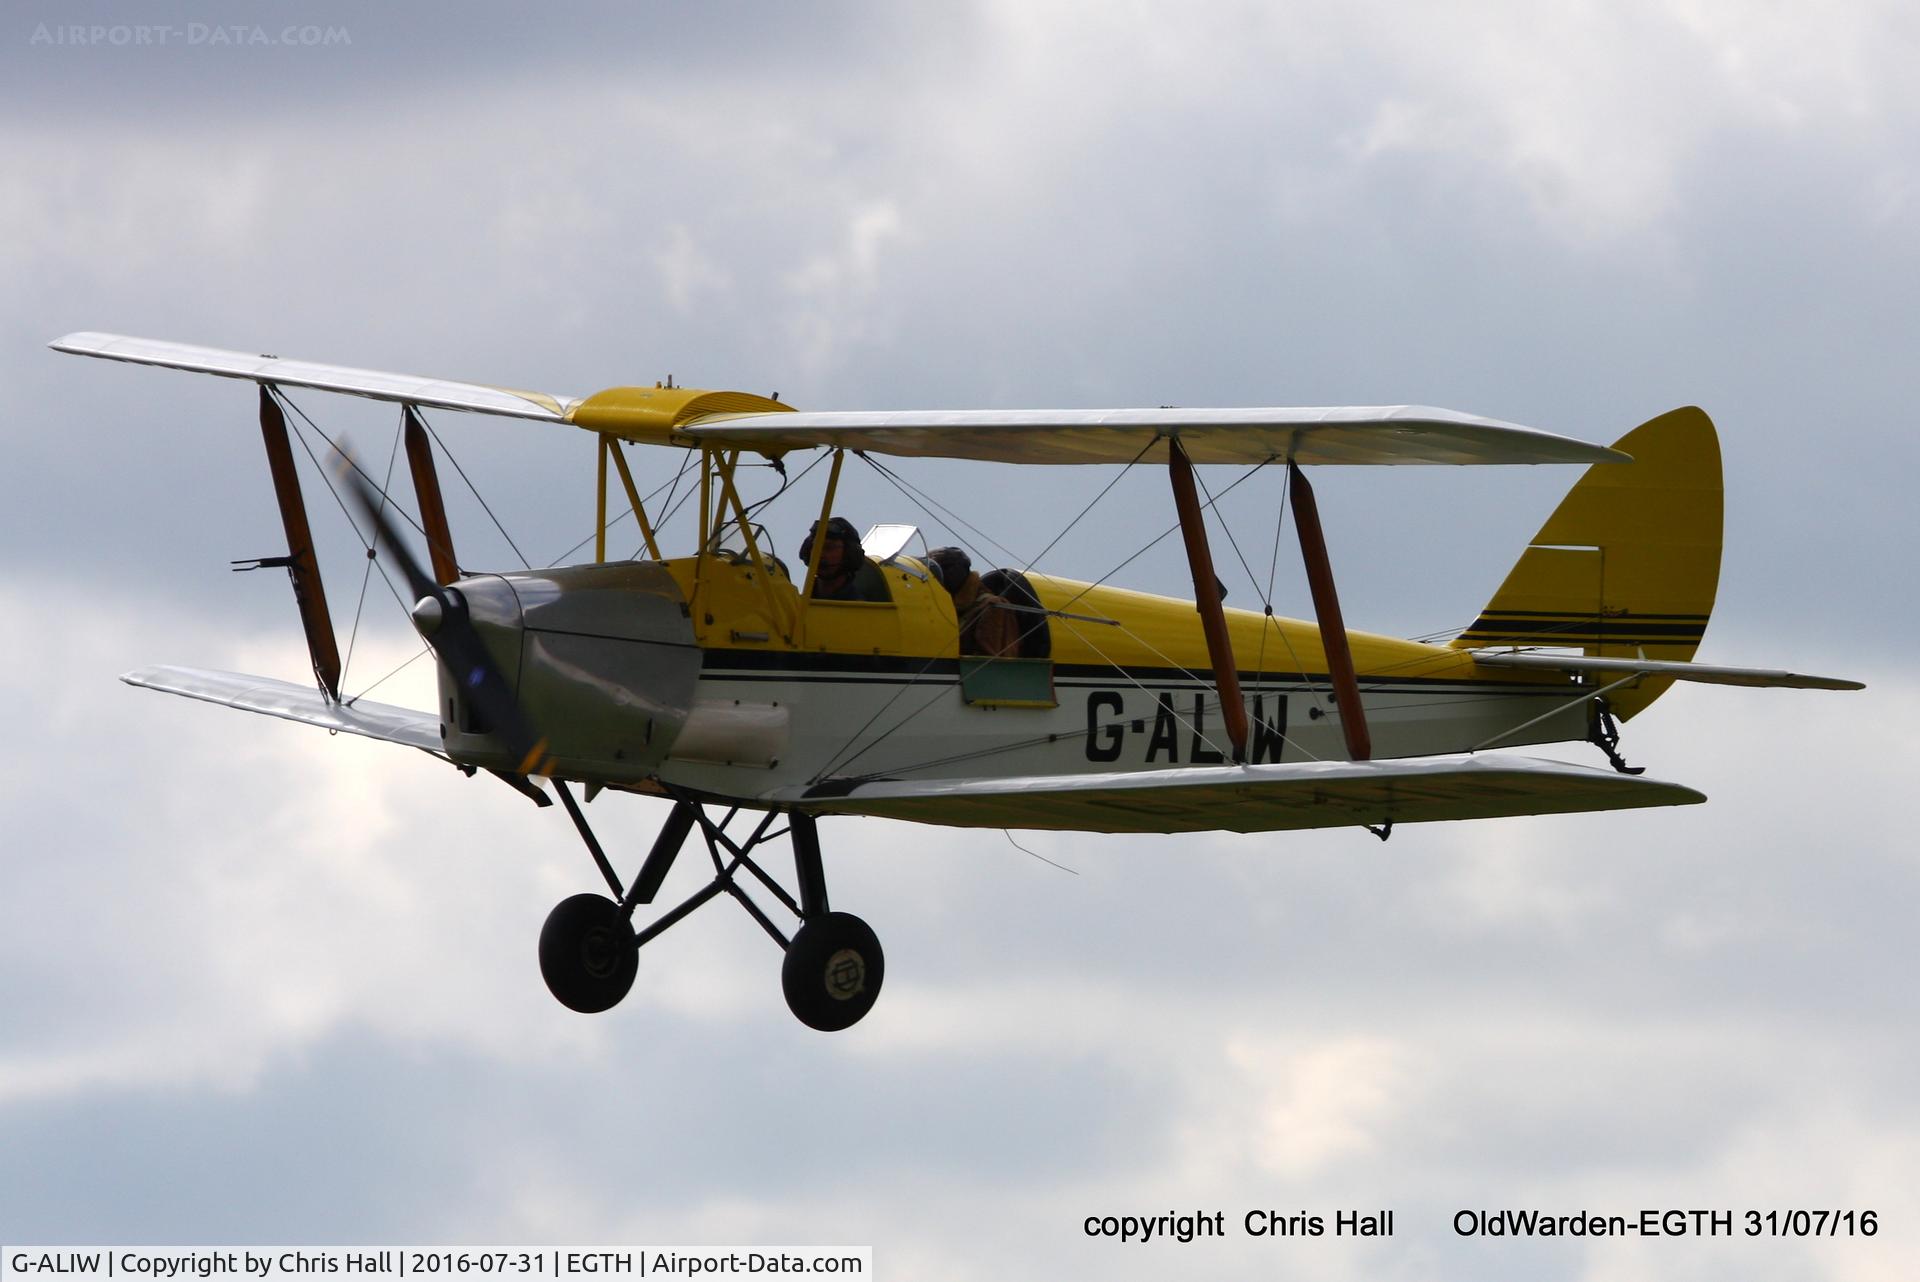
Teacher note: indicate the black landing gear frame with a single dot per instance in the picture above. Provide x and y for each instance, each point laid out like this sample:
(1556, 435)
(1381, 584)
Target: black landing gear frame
(589, 950)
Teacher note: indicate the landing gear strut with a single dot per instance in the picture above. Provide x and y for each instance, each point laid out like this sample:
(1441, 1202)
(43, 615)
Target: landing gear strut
(1603, 732)
(589, 950)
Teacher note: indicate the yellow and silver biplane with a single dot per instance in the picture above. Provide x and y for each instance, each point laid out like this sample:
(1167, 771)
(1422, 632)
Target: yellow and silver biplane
(719, 678)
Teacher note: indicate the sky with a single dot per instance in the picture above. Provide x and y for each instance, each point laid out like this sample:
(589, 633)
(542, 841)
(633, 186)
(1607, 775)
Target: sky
(258, 984)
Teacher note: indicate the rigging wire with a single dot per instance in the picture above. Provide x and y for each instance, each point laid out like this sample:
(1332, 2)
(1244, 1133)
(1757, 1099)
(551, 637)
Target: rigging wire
(1266, 598)
(1042, 858)
(1226, 528)
(914, 492)
(419, 654)
(1090, 506)
(366, 575)
(1148, 546)
(785, 482)
(352, 524)
(346, 455)
(1266, 601)
(669, 504)
(841, 758)
(840, 753)
(473, 489)
(610, 524)
(1158, 695)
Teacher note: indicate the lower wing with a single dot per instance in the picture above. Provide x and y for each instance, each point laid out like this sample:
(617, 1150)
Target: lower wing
(294, 703)
(1265, 798)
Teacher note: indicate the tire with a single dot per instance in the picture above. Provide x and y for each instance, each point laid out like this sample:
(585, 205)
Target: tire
(587, 953)
(833, 972)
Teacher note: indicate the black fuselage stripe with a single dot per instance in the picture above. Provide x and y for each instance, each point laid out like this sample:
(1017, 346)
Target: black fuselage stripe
(1290, 684)
(748, 665)
(1583, 614)
(1622, 631)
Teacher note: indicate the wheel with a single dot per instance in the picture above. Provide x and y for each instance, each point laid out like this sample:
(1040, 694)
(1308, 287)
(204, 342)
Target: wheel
(587, 953)
(833, 972)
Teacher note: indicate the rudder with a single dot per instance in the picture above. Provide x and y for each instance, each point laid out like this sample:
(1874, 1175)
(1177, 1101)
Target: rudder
(1629, 562)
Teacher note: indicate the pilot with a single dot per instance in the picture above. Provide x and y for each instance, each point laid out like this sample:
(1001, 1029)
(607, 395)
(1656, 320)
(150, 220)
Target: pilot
(987, 626)
(845, 572)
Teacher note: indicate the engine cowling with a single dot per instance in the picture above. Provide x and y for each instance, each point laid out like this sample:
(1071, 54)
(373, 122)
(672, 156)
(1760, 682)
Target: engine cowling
(601, 659)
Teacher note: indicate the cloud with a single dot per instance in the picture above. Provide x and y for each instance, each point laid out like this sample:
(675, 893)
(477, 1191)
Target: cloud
(1307, 1022)
(268, 949)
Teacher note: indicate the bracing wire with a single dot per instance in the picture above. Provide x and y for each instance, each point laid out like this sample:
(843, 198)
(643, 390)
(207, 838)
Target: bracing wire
(418, 655)
(1091, 504)
(914, 493)
(366, 575)
(1156, 539)
(475, 491)
(344, 511)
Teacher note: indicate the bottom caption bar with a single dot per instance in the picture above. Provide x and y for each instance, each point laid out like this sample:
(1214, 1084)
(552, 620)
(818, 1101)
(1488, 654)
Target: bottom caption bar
(346, 1263)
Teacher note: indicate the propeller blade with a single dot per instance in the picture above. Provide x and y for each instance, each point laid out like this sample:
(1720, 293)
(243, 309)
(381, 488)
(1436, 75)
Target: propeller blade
(371, 505)
(440, 616)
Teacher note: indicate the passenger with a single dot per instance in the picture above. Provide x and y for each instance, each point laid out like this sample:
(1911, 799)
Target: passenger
(845, 573)
(987, 626)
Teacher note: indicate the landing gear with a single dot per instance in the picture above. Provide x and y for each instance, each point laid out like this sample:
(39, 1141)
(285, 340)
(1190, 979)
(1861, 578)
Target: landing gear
(833, 972)
(1603, 732)
(589, 951)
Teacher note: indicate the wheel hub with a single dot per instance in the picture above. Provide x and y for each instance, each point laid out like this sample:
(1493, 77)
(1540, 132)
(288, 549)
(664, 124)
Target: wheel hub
(846, 975)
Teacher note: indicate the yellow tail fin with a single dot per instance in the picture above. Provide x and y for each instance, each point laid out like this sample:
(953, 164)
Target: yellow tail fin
(1627, 565)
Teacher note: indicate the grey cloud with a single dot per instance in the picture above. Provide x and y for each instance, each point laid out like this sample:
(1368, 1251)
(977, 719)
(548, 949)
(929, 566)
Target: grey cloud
(871, 207)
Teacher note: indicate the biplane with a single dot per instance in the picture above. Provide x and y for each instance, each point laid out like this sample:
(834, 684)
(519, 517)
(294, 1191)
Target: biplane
(721, 679)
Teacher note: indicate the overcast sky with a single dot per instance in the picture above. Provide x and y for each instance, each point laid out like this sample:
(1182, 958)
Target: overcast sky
(259, 984)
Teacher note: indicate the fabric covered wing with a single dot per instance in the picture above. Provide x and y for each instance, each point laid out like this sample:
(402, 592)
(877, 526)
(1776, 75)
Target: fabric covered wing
(294, 703)
(1706, 672)
(1340, 434)
(1366, 434)
(408, 388)
(1266, 798)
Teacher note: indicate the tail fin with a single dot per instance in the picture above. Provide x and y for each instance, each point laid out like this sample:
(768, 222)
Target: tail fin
(1627, 565)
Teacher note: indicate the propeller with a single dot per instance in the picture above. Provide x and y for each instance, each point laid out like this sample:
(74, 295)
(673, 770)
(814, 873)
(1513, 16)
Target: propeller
(440, 615)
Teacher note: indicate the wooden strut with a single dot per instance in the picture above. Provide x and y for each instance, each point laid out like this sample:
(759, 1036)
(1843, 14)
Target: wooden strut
(820, 538)
(1326, 608)
(600, 503)
(633, 497)
(309, 594)
(730, 497)
(433, 510)
(1206, 597)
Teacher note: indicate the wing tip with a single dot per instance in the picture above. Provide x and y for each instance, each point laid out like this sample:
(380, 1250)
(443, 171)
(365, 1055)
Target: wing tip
(82, 342)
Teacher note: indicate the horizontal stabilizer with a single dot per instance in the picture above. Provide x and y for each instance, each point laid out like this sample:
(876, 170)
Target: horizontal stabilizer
(1712, 675)
(1264, 798)
(294, 703)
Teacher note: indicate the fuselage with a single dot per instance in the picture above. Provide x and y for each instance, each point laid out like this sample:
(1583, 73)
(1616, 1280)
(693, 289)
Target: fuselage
(713, 675)
(822, 690)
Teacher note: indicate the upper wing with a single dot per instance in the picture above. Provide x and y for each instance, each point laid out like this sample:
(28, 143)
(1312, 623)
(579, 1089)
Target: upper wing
(1372, 434)
(1266, 798)
(1706, 672)
(431, 392)
(294, 703)
(1327, 434)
